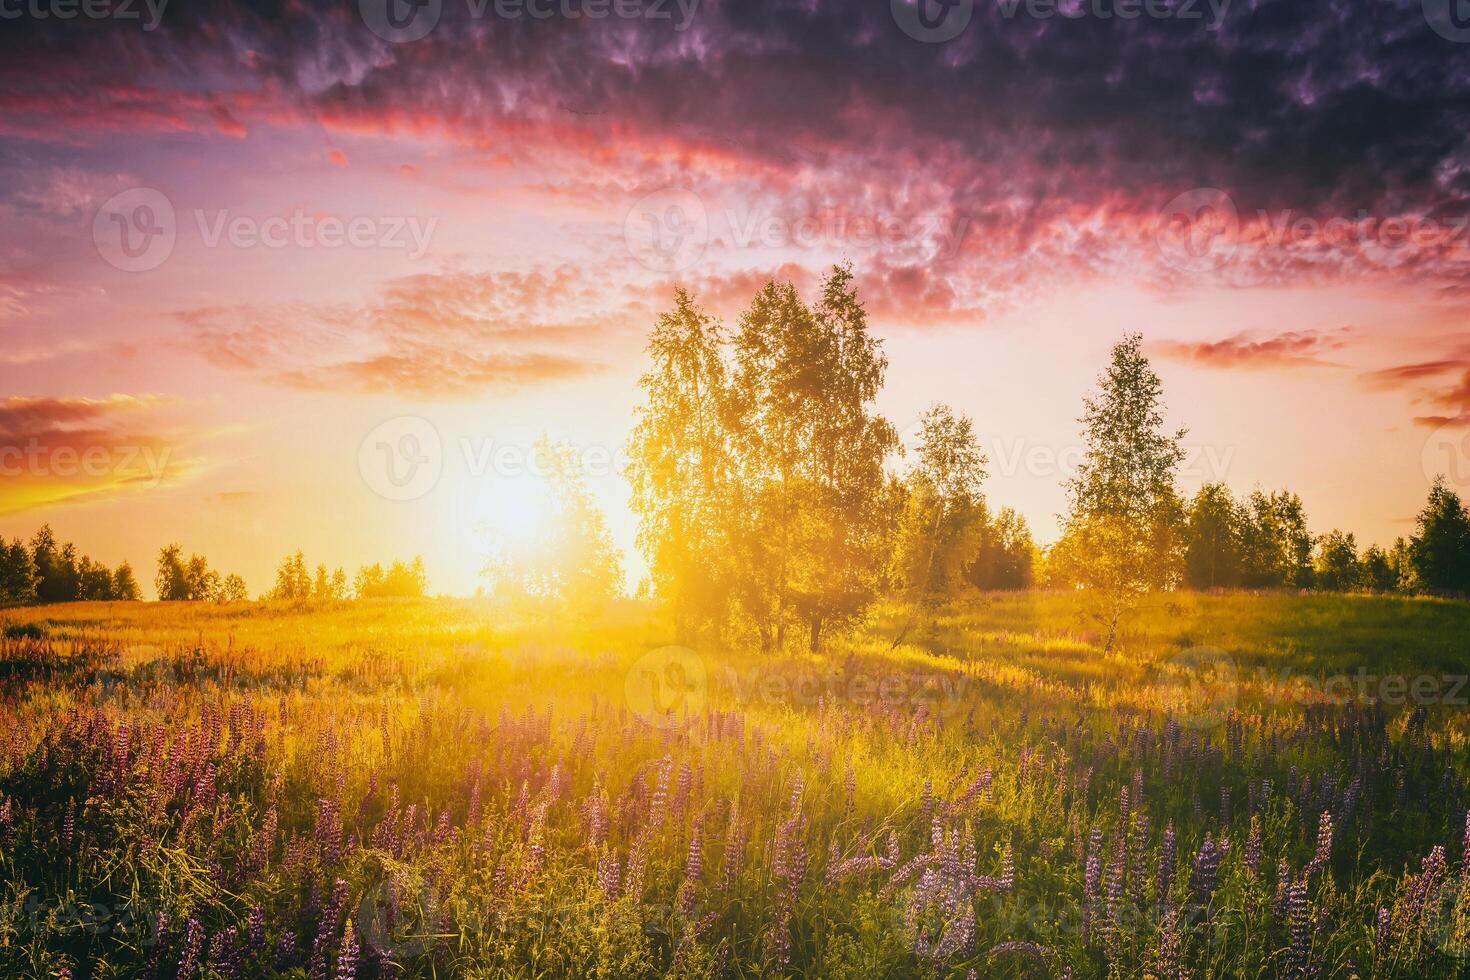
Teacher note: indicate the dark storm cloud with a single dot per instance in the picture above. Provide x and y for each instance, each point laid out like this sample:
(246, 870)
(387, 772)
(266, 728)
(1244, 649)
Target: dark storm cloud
(1306, 105)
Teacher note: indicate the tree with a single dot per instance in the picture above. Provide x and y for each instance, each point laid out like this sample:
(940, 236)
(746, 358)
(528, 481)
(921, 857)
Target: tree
(1338, 568)
(943, 515)
(1378, 573)
(17, 573)
(1006, 556)
(124, 585)
(203, 582)
(1276, 546)
(172, 580)
(1401, 560)
(293, 582)
(94, 581)
(1212, 536)
(1440, 551)
(232, 589)
(56, 568)
(399, 581)
(679, 466)
(1120, 536)
(808, 490)
(337, 587)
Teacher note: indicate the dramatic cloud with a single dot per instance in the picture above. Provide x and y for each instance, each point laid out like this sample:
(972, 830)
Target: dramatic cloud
(61, 450)
(1293, 348)
(433, 335)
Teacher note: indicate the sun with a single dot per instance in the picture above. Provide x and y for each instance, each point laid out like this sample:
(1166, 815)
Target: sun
(505, 511)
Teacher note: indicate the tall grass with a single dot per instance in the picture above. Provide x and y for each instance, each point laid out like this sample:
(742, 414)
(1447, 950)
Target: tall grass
(425, 788)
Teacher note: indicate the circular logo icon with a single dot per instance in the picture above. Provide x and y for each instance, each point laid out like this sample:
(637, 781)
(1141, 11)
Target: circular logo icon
(932, 21)
(402, 458)
(398, 21)
(1447, 454)
(666, 684)
(135, 230)
(668, 230)
(1204, 686)
(1197, 230)
(1450, 19)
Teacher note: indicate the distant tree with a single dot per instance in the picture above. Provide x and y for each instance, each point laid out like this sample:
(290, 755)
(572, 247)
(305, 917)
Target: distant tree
(1440, 551)
(337, 587)
(679, 467)
(293, 581)
(1276, 546)
(203, 581)
(56, 568)
(1121, 535)
(1378, 573)
(321, 586)
(1007, 555)
(943, 515)
(232, 589)
(94, 581)
(17, 573)
(369, 581)
(1401, 560)
(172, 579)
(124, 585)
(400, 581)
(1337, 567)
(1212, 538)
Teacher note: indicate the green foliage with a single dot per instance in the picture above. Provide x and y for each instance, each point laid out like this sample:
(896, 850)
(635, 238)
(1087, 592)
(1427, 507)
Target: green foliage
(1441, 548)
(1121, 534)
(757, 465)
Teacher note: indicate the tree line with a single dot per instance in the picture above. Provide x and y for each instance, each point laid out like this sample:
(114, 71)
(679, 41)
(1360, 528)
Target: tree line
(759, 477)
(45, 570)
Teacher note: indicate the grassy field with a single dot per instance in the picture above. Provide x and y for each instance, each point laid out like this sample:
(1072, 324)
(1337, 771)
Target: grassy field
(1247, 785)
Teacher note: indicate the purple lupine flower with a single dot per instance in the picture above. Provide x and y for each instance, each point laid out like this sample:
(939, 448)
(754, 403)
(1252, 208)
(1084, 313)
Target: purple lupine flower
(1252, 857)
(1167, 858)
(1205, 871)
(224, 954)
(347, 958)
(255, 929)
(1299, 922)
(193, 946)
(1324, 846)
(1382, 936)
(1091, 882)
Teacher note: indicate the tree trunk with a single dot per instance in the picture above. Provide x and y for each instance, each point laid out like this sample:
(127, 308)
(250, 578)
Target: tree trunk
(815, 643)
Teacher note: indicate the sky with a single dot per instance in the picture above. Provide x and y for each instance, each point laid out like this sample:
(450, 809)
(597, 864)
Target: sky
(316, 275)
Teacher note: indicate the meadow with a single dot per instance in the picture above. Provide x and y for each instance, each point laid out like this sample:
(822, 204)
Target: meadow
(1244, 785)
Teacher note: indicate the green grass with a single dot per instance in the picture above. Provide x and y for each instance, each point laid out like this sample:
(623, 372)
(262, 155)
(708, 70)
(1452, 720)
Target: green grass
(483, 775)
